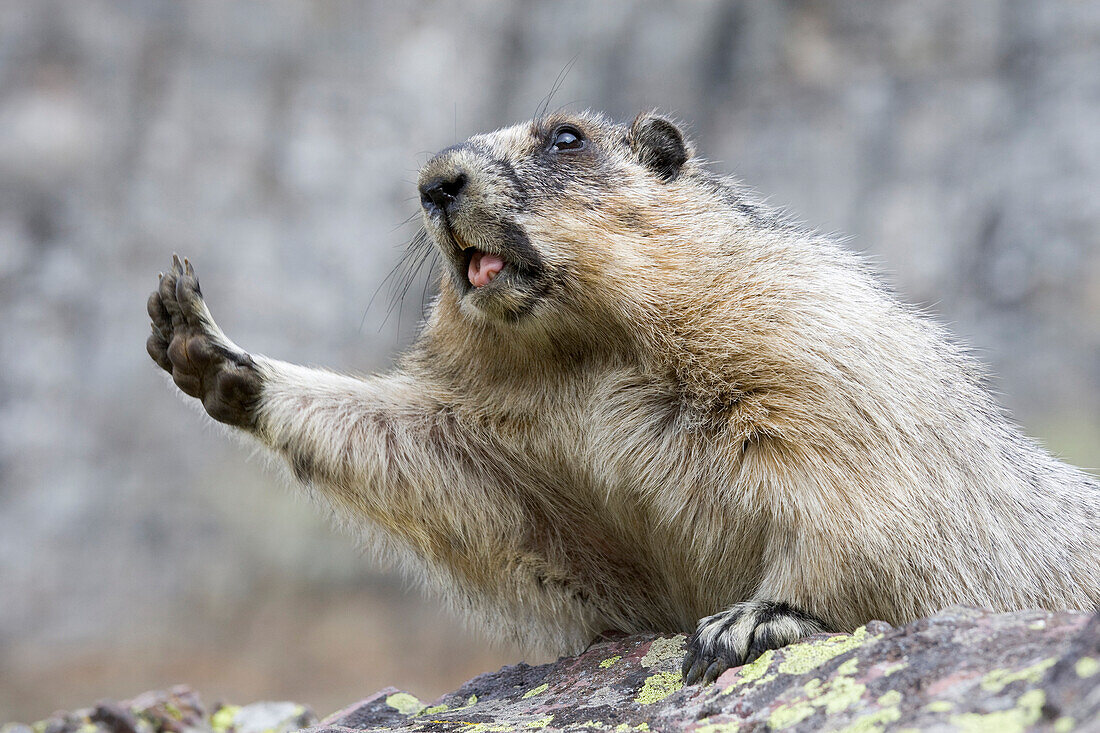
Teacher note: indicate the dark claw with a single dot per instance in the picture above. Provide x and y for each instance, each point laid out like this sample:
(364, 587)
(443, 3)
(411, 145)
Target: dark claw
(696, 672)
(758, 646)
(688, 659)
(183, 297)
(716, 668)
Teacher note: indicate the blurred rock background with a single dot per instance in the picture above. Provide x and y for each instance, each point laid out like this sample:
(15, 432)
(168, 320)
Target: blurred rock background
(277, 143)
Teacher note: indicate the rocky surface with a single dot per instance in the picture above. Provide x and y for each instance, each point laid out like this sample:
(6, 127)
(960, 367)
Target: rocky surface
(178, 710)
(960, 670)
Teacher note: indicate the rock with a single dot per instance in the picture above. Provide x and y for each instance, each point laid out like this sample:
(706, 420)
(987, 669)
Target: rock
(961, 670)
(178, 710)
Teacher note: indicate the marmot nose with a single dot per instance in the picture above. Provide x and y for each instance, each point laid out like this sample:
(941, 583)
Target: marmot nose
(441, 194)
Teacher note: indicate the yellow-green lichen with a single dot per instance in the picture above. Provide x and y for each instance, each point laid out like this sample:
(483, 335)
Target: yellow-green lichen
(610, 661)
(664, 649)
(889, 699)
(802, 657)
(999, 679)
(875, 722)
(836, 695)
(404, 703)
(1064, 724)
(659, 686)
(756, 670)
(223, 720)
(755, 673)
(756, 683)
(540, 723)
(434, 709)
(848, 667)
(173, 711)
(1086, 667)
(88, 727)
(730, 727)
(785, 716)
(1018, 719)
(605, 726)
(890, 669)
(940, 706)
(536, 690)
(839, 694)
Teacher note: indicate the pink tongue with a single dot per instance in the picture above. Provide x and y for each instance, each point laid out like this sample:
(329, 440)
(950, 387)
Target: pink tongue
(483, 268)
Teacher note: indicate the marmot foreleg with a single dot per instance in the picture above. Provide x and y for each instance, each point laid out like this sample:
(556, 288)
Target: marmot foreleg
(342, 434)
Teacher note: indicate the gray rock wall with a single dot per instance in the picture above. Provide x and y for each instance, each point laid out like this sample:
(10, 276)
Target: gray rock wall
(276, 144)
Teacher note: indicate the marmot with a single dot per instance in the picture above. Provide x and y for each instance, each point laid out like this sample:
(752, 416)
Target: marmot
(642, 398)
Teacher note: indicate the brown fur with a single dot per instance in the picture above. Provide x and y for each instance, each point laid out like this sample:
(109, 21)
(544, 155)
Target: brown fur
(692, 404)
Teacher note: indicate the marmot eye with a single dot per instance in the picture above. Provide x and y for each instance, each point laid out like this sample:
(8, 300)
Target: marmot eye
(567, 138)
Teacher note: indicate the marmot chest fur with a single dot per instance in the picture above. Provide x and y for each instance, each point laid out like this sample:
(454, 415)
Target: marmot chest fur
(642, 399)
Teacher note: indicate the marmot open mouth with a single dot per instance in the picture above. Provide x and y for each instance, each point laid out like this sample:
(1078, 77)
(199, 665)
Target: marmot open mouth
(482, 267)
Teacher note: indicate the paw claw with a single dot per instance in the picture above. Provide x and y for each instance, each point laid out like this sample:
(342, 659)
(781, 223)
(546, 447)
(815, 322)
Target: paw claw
(689, 659)
(716, 668)
(695, 674)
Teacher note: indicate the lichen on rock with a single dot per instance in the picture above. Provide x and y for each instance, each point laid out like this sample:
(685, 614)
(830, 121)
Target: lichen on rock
(179, 710)
(960, 670)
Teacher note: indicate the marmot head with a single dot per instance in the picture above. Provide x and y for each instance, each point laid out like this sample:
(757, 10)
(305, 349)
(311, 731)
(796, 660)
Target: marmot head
(533, 220)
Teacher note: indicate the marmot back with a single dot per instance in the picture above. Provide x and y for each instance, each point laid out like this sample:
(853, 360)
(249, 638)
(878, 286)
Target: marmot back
(642, 398)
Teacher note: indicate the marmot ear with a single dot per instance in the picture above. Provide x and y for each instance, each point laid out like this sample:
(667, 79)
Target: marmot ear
(659, 145)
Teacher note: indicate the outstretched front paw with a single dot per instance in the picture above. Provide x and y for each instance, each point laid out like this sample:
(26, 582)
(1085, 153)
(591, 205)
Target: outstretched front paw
(741, 634)
(203, 363)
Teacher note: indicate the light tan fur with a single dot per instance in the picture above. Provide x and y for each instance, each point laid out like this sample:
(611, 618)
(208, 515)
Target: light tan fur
(709, 406)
